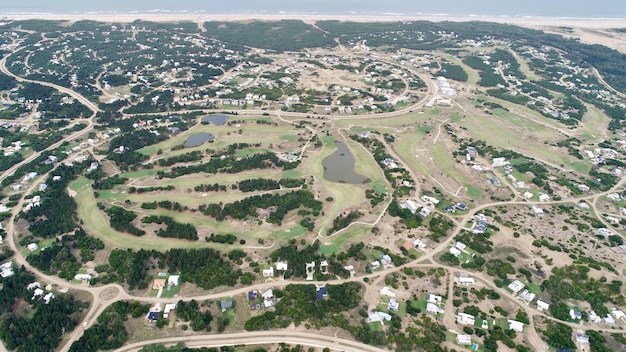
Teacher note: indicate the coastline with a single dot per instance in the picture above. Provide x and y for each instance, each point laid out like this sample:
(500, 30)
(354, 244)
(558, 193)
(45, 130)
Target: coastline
(590, 23)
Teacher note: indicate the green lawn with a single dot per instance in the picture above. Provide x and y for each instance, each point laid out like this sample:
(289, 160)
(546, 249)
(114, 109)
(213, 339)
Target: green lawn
(170, 293)
(379, 188)
(294, 232)
(445, 162)
(473, 191)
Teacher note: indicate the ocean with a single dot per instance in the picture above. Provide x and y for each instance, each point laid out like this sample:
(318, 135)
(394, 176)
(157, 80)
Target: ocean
(477, 8)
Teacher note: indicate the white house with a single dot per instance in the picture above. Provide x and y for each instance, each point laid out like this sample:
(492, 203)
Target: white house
(465, 319)
(516, 286)
(173, 280)
(429, 199)
(527, 296)
(47, 298)
(515, 325)
(434, 299)
(419, 244)
(618, 314)
(385, 291)
(33, 247)
(582, 338)
(464, 280)
(433, 309)
(464, 339)
(393, 305)
(386, 260)
(168, 308)
(82, 277)
(541, 305)
(373, 317)
(268, 272)
(454, 251)
(6, 269)
(282, 265)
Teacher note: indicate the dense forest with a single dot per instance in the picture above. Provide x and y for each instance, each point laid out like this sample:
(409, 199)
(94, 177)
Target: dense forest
(122, 220)
(109, 332)
(34, 325)
(57, 211)
(204, 267)
(172, 228)
(247, 208)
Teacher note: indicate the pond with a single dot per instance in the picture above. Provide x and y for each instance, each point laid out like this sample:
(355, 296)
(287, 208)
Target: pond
(217, 120)
(198, 139)
(339, 166)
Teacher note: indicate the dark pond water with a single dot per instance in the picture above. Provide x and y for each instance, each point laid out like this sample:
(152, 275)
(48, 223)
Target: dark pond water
(339, 166)
(198, 139)
(217, 120)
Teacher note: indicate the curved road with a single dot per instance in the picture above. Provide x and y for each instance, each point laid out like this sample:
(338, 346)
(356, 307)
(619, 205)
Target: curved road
(258, 338)
(105, 295)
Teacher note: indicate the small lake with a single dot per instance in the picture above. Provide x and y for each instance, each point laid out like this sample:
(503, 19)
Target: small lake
(339, 166)
(198, 139)
(217, 120)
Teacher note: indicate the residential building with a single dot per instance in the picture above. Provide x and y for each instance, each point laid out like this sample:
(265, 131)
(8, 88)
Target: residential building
(48, 297)
(582, 338)
(516, 286)
(575, 315)
(433, 309)
(374, 265)
(282, 265)
(6, 269)
(321, 293)
(464, 339)
(373, 317)
(386, 260)
(268, 272)
(393, 305)
(385, 291)
(82, 277)
(515, 325)
(464, 280)
(419, 244)
(173, 280)
(527, 296)
(541, 305)
(158, 284)
(465, 319)
(434, 299)
(168, 308)
(225, 304)
(618, 314)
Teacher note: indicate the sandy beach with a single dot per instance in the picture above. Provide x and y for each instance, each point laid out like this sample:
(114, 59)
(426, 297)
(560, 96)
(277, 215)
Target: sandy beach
(173, 17)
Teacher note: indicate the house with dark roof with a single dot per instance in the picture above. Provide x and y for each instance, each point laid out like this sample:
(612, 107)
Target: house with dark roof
(153, 316)
(225, 304)
(253, 295)
(322, 292)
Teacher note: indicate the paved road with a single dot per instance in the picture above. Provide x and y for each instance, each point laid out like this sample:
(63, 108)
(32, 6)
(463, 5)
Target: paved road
(105, 295)
(261, 337)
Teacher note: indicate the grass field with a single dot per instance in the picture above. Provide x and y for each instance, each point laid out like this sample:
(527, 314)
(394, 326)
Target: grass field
(406, 148)
(473, 192)
(338, 242)
(446, 164)
(95, 222)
